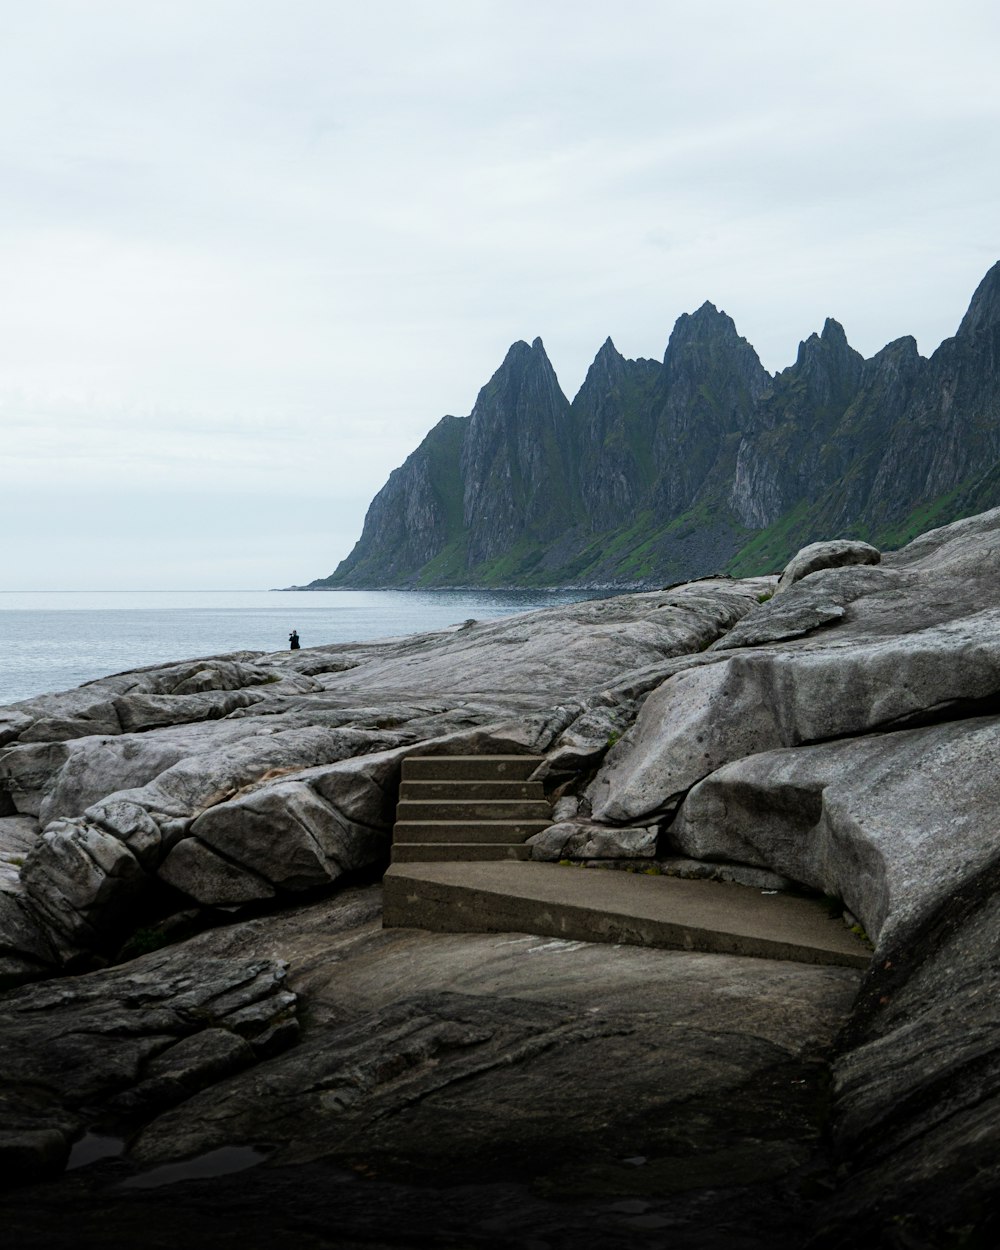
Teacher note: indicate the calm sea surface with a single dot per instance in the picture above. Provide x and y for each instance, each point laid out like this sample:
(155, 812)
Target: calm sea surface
(54, 640)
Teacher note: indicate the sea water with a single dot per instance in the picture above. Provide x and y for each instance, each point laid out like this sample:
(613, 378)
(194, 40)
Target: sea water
(52, 640)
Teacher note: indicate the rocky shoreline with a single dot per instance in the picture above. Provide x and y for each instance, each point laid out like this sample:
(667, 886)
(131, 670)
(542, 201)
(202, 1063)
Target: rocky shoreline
(193, 959)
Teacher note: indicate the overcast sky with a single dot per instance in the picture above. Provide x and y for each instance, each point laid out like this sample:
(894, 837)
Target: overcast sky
(252, 250)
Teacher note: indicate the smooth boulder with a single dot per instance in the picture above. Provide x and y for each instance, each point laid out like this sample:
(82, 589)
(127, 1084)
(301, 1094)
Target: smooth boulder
(826, 555)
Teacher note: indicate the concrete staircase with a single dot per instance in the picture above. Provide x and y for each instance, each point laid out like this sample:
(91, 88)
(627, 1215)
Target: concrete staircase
(468, 807)
(482, 808)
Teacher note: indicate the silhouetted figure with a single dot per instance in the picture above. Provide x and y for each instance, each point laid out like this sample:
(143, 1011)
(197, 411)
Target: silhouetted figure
(293, 640)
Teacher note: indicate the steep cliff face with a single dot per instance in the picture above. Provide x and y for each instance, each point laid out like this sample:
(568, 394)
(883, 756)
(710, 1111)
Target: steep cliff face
(416, 515)
(663, 471)
(518, 459)
(614, 424)
(712, 380)
(782, 455)
(950, 430)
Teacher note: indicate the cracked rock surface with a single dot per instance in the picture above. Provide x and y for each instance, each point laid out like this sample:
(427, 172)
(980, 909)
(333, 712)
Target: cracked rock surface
(409, 1089)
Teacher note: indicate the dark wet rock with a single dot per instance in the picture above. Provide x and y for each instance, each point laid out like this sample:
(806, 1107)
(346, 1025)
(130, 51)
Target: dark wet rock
(81, 882)
(917, 1089)
(82, 1048)
(26, 951)
(443, 1055)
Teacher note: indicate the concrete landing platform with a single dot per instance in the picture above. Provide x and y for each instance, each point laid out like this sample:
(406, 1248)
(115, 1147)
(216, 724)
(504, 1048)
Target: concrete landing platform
(601, 905)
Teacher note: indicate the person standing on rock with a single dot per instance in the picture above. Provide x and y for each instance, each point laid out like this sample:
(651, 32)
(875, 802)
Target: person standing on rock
(293, 640)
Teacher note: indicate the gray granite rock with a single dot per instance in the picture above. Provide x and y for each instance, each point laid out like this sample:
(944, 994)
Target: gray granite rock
(826, 555)
(841, 736)
(756, 700)
(211, 879)
(132, 824)
(18, 835)
(288, 834)
(137, 713)
(82, 882)
(573, 840)
(916, 1089)
(891, 823)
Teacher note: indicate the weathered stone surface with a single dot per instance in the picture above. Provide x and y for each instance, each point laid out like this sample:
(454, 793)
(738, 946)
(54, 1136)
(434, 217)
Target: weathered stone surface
(18, 835)
(131, 824)
(779, 621)
(97, 767)
(967, 548)
(95, 708)
(442, 1054)
(97, 718)
(183, 1069)
(82, 881)
(27, 773)
(159, 1025)
(554, 654)
(288, 834)
(140, 712)
(168, 773)
(917, 1087)
(714, 870)
(892, 824)
(584, 743)
(12, 724)
(209, 878)
(826, 555)
(842, 735)
(757, 700)
(571, 840)
(25, 951)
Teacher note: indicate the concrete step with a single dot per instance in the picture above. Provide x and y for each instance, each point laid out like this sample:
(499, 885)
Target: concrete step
(469, 791)
(457, 852)
(474, 809)
(470, 767)
(444, 831)
(594, 905)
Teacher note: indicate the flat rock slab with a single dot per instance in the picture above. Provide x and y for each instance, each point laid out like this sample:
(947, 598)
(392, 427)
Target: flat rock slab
(604, 906)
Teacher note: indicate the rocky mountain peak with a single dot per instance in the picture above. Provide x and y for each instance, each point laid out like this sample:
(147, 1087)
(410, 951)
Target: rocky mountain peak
(706, 325)
(656, 469)
(984, 311)
(517, 354)
(525, 372)
(706, 351)
(607, 368)
(833, 339)
(830, 368)
(833, 333)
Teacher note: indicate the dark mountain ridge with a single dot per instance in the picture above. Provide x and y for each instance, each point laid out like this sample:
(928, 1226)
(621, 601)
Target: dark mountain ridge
(705, 462)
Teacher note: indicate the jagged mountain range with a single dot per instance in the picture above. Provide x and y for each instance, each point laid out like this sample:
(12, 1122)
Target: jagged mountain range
(658, 472)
